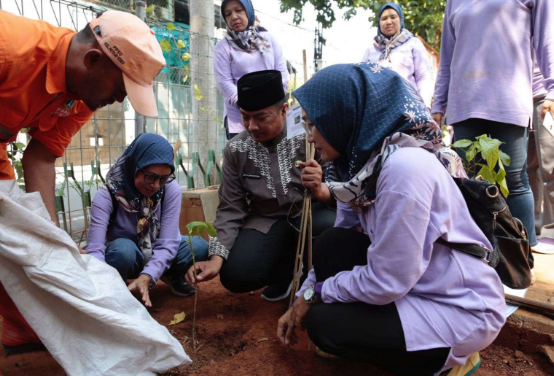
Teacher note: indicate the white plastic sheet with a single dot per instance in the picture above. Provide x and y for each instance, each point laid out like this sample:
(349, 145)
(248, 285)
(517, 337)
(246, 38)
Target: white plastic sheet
(79, 306)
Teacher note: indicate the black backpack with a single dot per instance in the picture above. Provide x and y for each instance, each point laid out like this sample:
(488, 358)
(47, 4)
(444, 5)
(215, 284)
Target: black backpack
(511, 257)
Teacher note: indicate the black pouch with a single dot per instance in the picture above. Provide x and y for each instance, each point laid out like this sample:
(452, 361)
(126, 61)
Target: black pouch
(512, 253)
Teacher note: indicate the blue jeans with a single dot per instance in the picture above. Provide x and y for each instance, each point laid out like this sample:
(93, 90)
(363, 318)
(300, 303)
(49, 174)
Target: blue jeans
(124, 255)
(515, 139)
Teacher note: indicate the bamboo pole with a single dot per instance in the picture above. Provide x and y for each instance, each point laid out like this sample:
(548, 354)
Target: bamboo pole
(305, 235)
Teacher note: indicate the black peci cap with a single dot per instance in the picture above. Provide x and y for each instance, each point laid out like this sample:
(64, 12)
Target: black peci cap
(259, 90)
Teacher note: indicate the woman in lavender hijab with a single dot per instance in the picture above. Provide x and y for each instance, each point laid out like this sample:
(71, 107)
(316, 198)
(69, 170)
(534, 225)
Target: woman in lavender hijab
(484, 84)
(392, 294)
(396, 48)
(135, 220)
(247, 47)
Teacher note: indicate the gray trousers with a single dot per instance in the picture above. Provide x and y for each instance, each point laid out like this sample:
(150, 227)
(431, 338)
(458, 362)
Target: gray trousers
(540, 169)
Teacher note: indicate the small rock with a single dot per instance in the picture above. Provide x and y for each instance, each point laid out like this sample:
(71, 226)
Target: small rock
(505, 361)
(531, 364)
(518, 354)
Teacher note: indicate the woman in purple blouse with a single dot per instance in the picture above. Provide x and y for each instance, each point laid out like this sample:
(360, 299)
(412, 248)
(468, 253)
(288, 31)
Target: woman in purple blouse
(484, 84)
(247, 47)
(393, 295)
(396, 48)
(134, 220)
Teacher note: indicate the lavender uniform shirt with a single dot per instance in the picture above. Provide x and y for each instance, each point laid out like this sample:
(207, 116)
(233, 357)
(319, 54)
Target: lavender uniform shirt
(125, 226)
(486, 66)
(411, 61)
(445, 298)
(231, 64)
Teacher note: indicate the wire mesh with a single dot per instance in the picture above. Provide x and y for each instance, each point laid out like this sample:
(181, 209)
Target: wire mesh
(192, 115)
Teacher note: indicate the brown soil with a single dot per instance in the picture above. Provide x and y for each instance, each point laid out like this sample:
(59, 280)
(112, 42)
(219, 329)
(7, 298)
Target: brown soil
(237, 336)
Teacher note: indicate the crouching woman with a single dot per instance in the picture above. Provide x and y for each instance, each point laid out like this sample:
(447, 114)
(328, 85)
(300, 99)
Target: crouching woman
(392, 294)
(134, 223)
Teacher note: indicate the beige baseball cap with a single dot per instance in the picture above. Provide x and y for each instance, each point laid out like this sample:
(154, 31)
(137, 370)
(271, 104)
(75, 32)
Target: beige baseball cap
(132, 46)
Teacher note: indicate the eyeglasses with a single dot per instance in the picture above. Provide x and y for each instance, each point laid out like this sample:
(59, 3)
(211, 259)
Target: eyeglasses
(307, 128)
(152, 178)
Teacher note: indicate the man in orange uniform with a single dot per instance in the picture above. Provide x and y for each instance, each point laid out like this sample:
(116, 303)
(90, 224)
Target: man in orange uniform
(52, 79)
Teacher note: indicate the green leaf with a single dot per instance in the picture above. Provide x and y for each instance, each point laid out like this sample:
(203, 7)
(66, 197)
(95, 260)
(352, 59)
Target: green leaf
(490, 148)
(150, 9)
(185, 79)
(186, 57)
(165, 45)
(198, 93)
(504, 158)
(470, 153)
(501, 179)
(171, 27)
(19, 145)
(487, 174)
(181, 44)
(198, 228)
(462, 144)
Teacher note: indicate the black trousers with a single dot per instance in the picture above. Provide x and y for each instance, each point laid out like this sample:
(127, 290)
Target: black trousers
(258, 260)
(357, 330)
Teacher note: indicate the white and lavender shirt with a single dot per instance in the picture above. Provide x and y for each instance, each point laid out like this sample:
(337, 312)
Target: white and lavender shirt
(445, 298)
(231, 64)
(411, 61)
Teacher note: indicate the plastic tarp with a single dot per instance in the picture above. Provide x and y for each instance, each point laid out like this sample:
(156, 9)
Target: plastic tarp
(79, 306)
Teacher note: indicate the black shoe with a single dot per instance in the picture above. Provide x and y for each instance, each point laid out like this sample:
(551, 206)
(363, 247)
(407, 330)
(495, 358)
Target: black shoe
(178, 285)
(277, 291)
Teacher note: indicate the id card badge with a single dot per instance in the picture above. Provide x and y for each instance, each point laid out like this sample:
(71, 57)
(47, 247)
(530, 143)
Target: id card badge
(294, 120)
(548, 123)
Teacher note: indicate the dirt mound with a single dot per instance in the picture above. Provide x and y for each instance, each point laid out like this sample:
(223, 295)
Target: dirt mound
(236, 335)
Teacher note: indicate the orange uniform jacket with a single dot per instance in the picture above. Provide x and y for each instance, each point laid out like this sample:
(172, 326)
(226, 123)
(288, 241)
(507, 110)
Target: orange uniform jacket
(32, 86)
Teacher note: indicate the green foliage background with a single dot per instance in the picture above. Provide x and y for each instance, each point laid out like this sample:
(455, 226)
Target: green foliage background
(422, 17)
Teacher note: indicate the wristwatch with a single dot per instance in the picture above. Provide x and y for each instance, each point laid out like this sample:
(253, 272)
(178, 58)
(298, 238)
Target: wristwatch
(309, 295)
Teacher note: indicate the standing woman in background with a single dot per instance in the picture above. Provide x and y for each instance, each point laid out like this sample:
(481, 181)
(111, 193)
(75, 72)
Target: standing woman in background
(247, 47)
(396, 48)
(485, 81)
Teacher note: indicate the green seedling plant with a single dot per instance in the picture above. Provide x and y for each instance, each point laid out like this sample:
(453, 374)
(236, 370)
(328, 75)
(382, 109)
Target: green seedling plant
(484, 158)
(197, 229)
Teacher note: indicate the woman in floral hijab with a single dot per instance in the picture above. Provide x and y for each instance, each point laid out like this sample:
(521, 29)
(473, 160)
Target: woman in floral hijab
(247, 47)
(384, 288)
(135, 220)
(398, 49)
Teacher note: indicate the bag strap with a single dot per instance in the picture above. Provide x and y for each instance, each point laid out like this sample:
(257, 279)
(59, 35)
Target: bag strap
(490, 257)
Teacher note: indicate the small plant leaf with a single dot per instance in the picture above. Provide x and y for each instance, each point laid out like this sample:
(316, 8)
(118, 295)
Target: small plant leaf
(462, 144)
(171, 27)
(198, 93)
(185, 79)
(165, 45)
(490, 148)
(504, 158)
(181, 44)
(501, 179)
(186, 57)
(487, 174)
(470, 153)
(179, 317)
(150, 9)
(198, 228)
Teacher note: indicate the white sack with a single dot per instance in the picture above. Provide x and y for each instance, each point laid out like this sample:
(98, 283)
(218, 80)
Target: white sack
(79, 306)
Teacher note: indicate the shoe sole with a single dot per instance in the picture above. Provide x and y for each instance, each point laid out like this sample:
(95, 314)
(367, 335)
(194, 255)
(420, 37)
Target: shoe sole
(284, 296)
(474, 369)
